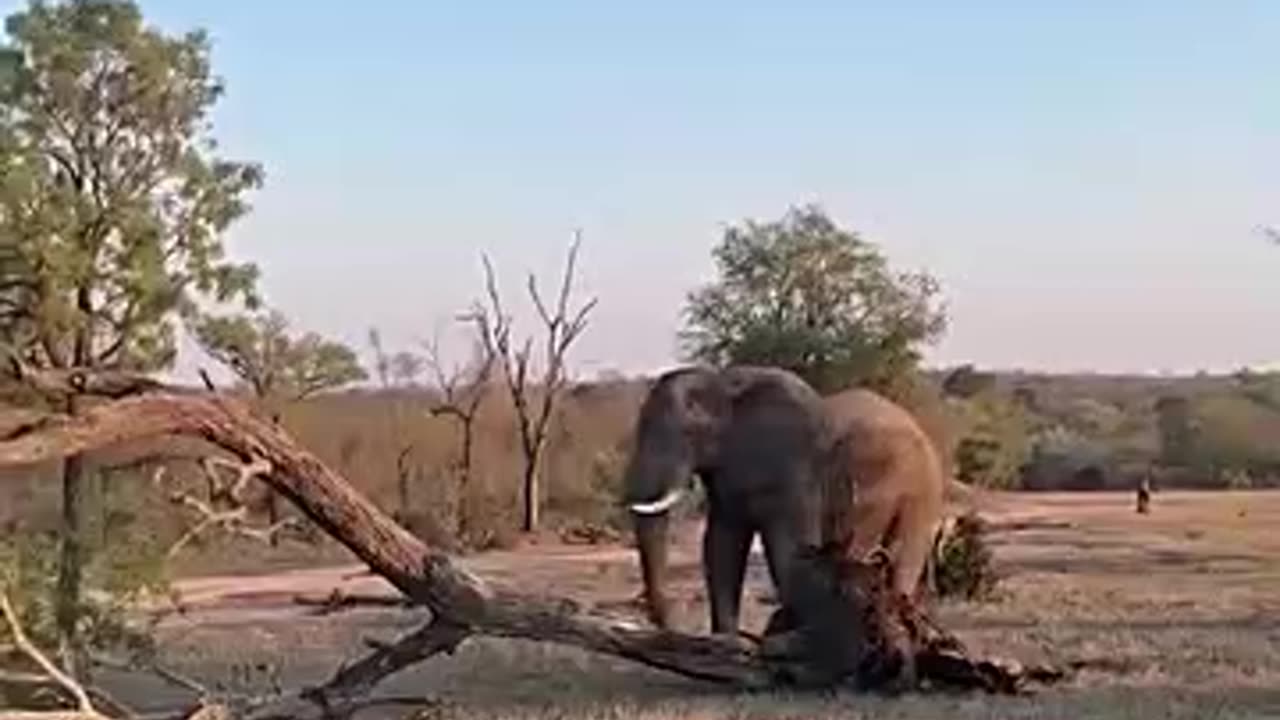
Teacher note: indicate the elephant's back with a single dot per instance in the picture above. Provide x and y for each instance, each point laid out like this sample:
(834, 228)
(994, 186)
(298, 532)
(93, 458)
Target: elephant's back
(883, 439)
(866, 411)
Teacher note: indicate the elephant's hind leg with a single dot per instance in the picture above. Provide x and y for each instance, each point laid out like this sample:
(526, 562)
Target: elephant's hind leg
(915, 546)
(865, 529)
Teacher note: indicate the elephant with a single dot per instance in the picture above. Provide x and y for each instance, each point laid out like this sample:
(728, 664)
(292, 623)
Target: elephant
(767, 447)
(886, 486)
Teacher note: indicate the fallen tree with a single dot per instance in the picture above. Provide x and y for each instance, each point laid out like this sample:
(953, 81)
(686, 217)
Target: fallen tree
(884, 642)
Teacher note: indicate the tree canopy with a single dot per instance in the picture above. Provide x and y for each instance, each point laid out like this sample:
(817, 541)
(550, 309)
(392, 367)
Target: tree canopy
(807, 295)
(112, 200)
(260, 350)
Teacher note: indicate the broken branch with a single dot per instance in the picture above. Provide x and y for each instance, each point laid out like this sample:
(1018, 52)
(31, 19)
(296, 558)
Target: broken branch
(26, 647)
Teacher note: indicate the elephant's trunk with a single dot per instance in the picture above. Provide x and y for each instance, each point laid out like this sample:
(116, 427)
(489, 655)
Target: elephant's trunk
(651, 540)
(656, 477)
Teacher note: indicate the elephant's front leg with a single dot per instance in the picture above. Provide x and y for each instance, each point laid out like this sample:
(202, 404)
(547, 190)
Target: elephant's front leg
(726, 543)
(781, 543)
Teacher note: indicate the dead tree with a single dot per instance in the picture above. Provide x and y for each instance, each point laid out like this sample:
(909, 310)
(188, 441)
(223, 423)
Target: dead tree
(395, 372)
(883, 630)
(462, 392)
(534, 400)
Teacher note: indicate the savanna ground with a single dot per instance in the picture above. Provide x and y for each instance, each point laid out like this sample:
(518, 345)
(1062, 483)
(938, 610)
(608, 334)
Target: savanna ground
(1181, 604)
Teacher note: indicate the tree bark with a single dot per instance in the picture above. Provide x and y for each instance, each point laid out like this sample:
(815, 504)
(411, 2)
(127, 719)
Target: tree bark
(530, 523)
(71, 551)
(71, 565)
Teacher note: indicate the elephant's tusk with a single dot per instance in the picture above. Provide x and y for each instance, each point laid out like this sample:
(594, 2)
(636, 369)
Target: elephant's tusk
(659, 506)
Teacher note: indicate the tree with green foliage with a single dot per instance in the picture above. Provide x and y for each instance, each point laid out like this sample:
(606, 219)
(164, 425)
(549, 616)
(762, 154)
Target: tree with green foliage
(113, 204)
(278, 367)
(1176, 426)
(804, 294)
(995, 444)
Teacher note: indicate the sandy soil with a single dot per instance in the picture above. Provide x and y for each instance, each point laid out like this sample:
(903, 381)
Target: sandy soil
(1181, 602)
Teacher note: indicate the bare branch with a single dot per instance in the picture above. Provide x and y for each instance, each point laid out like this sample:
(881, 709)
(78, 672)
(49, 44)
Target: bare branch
(27, 648)
(360, 678)
(338, 601)
(172, 677)
(234, 519)
(562, 327)
(208, 381)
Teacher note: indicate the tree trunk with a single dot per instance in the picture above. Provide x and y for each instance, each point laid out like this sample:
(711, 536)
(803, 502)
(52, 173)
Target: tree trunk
(71, 565)
(273, 511)
(531, 495)
(464, 481)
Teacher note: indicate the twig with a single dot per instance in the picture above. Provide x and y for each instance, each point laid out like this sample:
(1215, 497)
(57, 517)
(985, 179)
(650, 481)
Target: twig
(337, 601)
(26, 647)
(235, 518)
(208, 381)
(170, 676)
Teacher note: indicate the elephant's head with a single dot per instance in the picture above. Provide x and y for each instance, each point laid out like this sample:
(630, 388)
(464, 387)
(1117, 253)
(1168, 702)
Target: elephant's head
(676, 436)
(696, 420)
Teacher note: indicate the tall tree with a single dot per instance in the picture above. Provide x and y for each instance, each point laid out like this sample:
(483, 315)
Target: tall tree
(112, 203)
(807, 295)
(396, 372)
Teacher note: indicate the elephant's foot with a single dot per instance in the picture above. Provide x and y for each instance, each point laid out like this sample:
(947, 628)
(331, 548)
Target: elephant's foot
(780, 645)
(780, 621)
(741, 641)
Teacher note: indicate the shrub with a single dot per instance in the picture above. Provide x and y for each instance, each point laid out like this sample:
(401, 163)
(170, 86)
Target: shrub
(964, 562)
(28, 574)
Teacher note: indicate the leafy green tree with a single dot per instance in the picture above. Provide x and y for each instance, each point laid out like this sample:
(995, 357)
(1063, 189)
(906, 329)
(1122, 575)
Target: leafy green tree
(809, 296)
(995, 444)
(1176, 426)
(112, 203)
(278, 367)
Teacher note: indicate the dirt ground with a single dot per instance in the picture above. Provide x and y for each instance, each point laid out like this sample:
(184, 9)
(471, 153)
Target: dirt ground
(1181, 603)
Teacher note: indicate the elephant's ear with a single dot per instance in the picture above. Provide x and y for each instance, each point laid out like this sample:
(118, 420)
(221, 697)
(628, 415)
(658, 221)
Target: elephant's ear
(707, 404)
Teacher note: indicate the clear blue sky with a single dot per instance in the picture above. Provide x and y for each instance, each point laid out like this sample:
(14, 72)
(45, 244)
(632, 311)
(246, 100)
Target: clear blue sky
(1084, 178)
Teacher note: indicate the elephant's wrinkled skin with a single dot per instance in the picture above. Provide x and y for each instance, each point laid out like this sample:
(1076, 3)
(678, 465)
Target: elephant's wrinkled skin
(766, 447)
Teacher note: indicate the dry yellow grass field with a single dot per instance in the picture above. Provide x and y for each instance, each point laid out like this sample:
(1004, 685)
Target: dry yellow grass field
(1177, 609)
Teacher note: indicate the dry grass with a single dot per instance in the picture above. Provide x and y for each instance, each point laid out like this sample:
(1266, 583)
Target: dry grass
(1181, 603)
